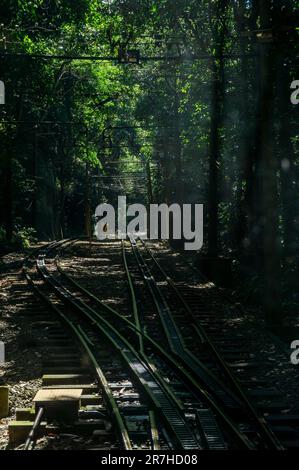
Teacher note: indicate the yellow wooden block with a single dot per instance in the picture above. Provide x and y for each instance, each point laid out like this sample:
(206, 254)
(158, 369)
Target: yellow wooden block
(25, 414)
(4, 402)
(59, 403)
(18, 431)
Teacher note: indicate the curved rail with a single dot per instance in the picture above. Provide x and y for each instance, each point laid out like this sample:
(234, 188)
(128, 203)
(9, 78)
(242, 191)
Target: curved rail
(184, 373)
(176, 342)
(83, 341)
(266, 432)
(152, 387)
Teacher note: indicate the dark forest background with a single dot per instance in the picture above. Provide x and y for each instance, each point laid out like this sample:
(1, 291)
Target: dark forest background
(178, 101)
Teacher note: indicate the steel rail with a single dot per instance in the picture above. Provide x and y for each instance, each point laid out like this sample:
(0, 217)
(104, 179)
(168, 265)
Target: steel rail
(83, 341)
(126, 323)
(164, 402)
(269, 436)
(176, 342)
(134, 303)
(32, 434)
(265, 430)
(154, 431)
(185, 374)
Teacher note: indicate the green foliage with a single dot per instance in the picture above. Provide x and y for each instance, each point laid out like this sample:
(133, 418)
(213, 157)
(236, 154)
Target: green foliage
(23, 237)
(83, 131)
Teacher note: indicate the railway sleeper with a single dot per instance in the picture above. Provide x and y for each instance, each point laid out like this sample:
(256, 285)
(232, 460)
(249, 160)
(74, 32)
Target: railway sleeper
(64, 379)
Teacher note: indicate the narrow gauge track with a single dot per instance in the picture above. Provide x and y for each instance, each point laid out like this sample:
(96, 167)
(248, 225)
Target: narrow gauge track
(227, 348)
(67, 347)
(198, 394)
(174, 430)
(173, 308)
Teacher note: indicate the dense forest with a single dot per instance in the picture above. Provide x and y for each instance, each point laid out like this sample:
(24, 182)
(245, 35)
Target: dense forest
(183, 101)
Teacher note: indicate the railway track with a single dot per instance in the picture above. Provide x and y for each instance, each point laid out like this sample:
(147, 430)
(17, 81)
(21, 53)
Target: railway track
(226, 392)
(199, 380)
(151, 395)
(197, 400)
(73, 361)
(202, 330)
(184, 392)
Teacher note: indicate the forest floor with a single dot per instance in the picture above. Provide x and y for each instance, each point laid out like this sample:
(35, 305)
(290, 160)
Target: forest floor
(25, 345)
(102, 273)
(22, 370)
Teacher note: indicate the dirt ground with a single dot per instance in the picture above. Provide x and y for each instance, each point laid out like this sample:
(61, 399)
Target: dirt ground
(23, 336)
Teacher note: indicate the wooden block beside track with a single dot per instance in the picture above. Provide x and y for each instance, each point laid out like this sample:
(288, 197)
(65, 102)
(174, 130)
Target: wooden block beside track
(87, 388)
(63, 379)
(59, 403)
(46, 396)
(25, 414)
(86, 427)
(18, 431)
(91, 400)
(4, 402)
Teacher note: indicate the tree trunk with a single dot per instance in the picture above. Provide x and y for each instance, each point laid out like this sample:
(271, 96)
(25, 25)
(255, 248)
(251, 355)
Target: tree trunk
(87, 210)
(246, 132)
(283, 15)
(177, 149)
(7, 187)
(215, 152)
(150, 196)
(268, 178)
(213, 166)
